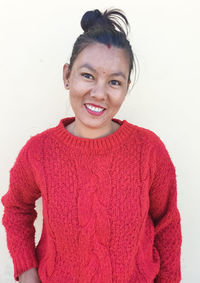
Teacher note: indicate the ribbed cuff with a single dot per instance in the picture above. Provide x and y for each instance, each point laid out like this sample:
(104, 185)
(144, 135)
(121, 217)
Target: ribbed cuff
(168, 279)
(23, 263)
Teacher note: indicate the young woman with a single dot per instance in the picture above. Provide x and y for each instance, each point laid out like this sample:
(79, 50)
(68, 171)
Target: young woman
(108, 187)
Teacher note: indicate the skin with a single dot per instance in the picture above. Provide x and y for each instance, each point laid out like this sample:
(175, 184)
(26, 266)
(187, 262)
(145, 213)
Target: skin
(29, 276)
(99, 83)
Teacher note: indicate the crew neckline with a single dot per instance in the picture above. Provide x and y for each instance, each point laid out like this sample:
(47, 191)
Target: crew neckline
(97, 144)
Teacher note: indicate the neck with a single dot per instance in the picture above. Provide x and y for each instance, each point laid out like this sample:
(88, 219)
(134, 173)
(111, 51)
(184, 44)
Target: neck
(80, 130)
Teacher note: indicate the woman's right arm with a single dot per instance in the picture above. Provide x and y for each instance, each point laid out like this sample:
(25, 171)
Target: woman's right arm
(20, 213)
(29, 276)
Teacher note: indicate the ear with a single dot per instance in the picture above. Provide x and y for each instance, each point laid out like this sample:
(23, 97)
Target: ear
(66, 75)
(129, 82)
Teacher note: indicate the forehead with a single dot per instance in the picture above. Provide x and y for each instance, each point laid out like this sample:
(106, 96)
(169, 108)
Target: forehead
(101, 56)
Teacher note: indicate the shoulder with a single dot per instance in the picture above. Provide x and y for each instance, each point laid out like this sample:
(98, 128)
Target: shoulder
(153, 147)
(146, 136)
(34, 145)
(150, 142)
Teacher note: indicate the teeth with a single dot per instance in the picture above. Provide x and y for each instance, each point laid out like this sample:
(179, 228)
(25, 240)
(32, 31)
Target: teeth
(96, 109)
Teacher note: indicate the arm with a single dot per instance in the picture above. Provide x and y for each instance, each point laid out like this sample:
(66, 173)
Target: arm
(19, 213)
(166, 216)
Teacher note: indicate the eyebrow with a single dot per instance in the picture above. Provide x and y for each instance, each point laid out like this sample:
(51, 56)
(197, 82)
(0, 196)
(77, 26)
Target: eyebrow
(88, 66)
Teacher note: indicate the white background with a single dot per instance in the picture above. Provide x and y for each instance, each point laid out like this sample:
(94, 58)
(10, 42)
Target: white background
(36, 39)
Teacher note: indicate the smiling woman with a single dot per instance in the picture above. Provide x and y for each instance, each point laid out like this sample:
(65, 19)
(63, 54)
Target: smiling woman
(108, 187)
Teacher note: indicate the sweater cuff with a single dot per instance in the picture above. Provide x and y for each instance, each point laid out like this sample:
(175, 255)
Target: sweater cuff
(23, 263)
(168, 279)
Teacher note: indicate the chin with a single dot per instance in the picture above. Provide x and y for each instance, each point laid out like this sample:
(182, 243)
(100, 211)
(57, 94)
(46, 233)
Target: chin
(95, 123)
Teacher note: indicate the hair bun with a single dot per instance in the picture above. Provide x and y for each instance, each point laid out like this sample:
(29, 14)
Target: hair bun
(89, 19)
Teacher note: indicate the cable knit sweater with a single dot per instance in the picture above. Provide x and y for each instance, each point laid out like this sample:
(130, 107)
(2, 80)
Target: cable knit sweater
(109, 208)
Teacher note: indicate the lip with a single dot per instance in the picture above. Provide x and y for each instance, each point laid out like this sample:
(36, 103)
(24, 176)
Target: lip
(96, 105)
(93, 112)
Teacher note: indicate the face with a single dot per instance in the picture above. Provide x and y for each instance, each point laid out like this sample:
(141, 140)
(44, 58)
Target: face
(97, 84)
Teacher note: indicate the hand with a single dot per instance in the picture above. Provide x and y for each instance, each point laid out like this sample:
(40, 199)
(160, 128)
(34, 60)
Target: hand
(29, 276)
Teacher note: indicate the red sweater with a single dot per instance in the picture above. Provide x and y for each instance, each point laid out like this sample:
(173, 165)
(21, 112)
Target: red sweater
(109, 208)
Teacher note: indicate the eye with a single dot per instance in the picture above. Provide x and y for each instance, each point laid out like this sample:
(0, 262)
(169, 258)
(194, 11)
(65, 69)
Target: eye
(115, 83)
(87, 76)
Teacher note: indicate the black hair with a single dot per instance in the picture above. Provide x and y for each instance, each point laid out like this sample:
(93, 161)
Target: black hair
(104, 28)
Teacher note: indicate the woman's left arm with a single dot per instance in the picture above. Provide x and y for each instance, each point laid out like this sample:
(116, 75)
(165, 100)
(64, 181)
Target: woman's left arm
(165, 215)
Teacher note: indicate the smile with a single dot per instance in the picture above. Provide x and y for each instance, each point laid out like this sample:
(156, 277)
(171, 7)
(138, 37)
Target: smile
(94, 110)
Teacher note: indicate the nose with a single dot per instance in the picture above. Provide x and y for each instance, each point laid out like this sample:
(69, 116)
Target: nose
(98, 91)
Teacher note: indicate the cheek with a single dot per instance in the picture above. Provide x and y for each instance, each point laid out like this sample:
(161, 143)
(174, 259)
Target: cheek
(77, 89)
(117, 99)
(75, 92)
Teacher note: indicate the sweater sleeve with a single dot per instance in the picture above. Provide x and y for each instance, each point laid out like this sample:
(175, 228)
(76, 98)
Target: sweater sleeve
(20, 213)
(166, 216)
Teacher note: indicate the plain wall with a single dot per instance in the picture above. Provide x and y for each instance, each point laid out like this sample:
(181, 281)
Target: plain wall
(36, 39)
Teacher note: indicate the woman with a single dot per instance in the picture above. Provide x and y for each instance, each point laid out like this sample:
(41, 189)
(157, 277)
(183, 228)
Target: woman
(108, 187)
